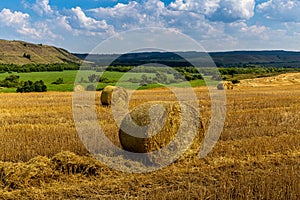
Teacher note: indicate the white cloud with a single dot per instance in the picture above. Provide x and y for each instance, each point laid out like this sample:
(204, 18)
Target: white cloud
(205, 7)
(216, 24)
(189, 16)
(133, 14)
(18, 21)
(154, 13)
(82, 24)
(40, 6)
(88, 22)
(283, 10)
(218, 10)
(63, 22)
(252, 32)
(13, 18)
(45, 30)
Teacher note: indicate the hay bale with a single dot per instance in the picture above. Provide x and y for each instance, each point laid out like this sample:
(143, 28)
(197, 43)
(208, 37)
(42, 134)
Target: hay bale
(112, 95)
(220, 86)
(228, 85)
(225, 85)
(79, 88)
(163, 128)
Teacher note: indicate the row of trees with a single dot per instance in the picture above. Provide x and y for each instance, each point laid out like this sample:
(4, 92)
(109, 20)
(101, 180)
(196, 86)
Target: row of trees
(255, 70)
(13, 81)
(29, 86)
(38, 67)
(161, 77)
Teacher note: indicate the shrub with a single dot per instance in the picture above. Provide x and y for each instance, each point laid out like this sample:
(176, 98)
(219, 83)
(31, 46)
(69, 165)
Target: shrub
(10, 81)
(26, 55)
(29, 86)
(58, 81)
(91, 87)
(94, 78)
(235, 81)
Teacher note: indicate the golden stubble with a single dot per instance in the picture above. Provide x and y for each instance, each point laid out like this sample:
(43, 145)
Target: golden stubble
(257, 155)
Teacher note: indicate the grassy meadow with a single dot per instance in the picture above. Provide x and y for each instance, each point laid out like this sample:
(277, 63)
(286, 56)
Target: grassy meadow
(70, 75)
(256, 157)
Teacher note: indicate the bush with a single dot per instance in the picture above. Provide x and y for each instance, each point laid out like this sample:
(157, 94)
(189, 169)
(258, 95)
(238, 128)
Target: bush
(91, 87)
(94, 78)
(29, 86)
(133, 80)
(26, 55)
(58, 81)
(216, 77)
(10, 81)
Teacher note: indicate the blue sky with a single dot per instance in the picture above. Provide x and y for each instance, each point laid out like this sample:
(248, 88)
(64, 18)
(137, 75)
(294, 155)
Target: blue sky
(218, 25)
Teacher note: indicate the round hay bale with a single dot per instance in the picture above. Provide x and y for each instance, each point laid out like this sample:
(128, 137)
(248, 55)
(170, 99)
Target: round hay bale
(220, 86)
(148, 128)
(112, 95)
(225, 85)
(79, 88)
(228, 85)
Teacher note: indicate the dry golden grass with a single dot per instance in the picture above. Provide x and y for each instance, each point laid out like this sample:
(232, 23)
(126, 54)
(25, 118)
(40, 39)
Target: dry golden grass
(257, 156)
(11, 52)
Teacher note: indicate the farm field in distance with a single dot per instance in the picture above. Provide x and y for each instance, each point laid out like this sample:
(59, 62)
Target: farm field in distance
(70, 75)
(256, 157)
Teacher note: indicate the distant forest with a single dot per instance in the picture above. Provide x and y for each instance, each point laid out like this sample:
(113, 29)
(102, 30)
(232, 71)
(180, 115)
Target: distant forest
(285, 59)
(38, 67)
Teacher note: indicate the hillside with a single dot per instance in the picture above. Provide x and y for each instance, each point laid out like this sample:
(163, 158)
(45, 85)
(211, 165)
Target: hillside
(19, 52)
(277, 58)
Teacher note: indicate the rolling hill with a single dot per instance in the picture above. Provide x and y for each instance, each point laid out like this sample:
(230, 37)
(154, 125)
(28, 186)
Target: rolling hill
(274, 58)
(19, 52)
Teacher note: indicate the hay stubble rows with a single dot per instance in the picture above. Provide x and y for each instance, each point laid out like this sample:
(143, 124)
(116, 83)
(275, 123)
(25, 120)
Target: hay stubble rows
(257, 155)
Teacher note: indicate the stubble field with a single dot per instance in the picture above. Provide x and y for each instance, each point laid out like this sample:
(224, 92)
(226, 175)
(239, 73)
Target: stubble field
(256, 157)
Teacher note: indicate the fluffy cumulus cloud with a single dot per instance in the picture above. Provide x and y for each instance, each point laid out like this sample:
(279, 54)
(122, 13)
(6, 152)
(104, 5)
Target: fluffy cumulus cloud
(218, 10)
(133, 14)
(202, 16)
(202, 19)
(18, 21)
(151, 13)
(78, 21)
(283, 10)
(217, 24)
(41, 7)
(251, 32)
(232, 10)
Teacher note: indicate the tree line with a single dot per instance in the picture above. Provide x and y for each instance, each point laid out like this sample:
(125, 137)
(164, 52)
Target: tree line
(38, 67)
(13, 81)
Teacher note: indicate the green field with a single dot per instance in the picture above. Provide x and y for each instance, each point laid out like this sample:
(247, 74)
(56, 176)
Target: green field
(69, 78)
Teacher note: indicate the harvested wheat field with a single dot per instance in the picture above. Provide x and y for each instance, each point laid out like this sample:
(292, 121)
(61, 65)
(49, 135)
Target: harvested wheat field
(256, 157)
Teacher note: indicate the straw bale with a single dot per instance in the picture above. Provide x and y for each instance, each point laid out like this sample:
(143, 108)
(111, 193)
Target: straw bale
(163, 128)
(112, 95)
(79, 88)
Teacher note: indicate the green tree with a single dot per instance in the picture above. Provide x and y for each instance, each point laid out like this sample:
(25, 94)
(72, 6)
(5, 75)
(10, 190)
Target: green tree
(29, 86)
(10, 81)
(93, 78)
(58, 81)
